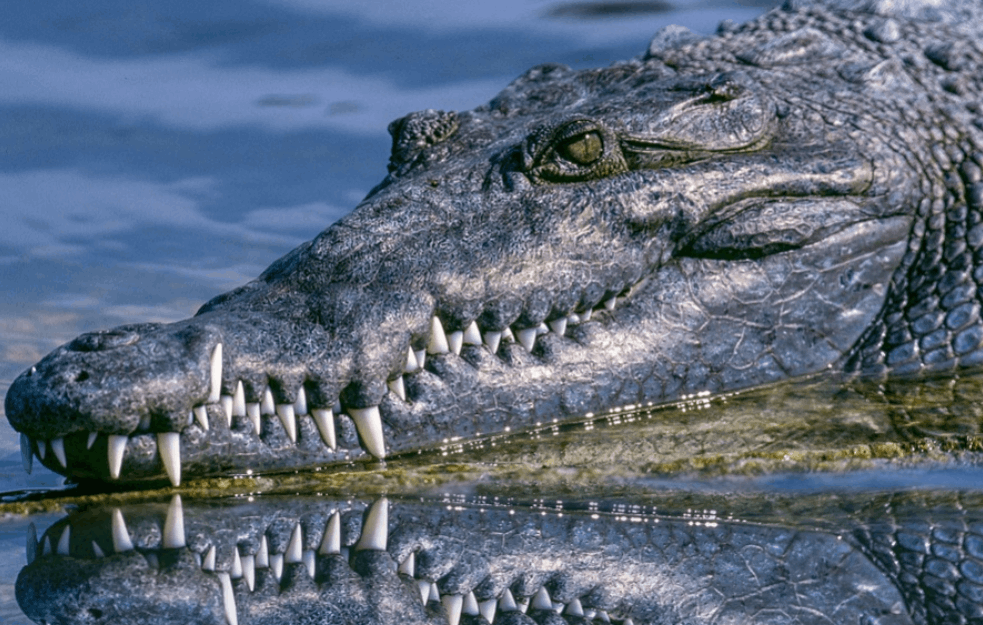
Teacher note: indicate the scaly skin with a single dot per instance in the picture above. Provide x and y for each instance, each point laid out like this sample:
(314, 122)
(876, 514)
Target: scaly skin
(796, 195)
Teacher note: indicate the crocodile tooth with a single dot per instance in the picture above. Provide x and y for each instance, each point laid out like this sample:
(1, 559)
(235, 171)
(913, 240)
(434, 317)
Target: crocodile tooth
(559, 326)
(424, 587)
(492, 339)
(487, 609)
(324, 419)
(331, 542)
(263, 554)
(507, 335)
(375, 530)
(239, 401)
(309, 562)
(573, 319)
(452, 606)
(249, 571)
(397, 387)
(574, 608)
(215, 389)
(252, 411)
(26, 454)
(368, 422)
(174, 525)
(32, 543)
(470, 605)
(586, 315)
(288, 419)
(236, 571)
(46, 547)
(601, 615)
(42, 448)
(197, 557)
(121, 537)
(438, 340)
(208, 564)
(455, 340)
(542, 328)
(64, 542)
(627, 621)
(295, 550)
(300, 404)
(92, 440)
(97, 550)
(276, 565)
(201, 416)
(411, 363)
(336, 408)
(527, 338)
(506, 603)
(434, 594)
(472, 335)
(610, 303)
(228, 599)
(421, 358)
(541, 600)
(266, 405)
(522, 604)
(408, 567)
(169, 446)
(226, 401)
(116, 447)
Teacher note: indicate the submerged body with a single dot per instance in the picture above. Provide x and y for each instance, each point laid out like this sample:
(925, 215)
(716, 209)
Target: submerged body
(799, 194)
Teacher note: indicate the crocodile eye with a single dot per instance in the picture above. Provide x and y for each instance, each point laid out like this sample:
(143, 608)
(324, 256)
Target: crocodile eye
(582, 149)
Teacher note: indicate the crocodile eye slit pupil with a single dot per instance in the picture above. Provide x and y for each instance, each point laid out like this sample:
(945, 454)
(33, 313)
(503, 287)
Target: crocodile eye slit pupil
(583, 149)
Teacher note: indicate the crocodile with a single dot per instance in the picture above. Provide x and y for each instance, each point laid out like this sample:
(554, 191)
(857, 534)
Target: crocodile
(796, 195)
(896, 559)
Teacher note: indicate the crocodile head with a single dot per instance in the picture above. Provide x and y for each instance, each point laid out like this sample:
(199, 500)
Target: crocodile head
(720, 214)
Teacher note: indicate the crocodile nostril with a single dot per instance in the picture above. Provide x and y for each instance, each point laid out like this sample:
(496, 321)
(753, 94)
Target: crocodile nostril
(82, 377)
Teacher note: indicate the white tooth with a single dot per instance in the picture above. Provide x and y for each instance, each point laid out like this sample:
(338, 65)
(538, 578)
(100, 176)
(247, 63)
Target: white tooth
(92, 440)
(227, 407)
(42, 448)
(507, 335)
(455, 340)
(452, 606)
(487, 609)
(492, 339)
(239, 401)
(421, 358)
(574, 608)
(174, 525)
(470, 606)
(252, 411)
(559, 326)
(609, 304)
(262, 554)
(424, 587)
(411, 363)
(97, 550)
(209, 563)
(236, 571)
(64, 541)
(197, 557)
(121, 537)
(438, 340)
(117, 445)
(32, 543)
(506, 603)
(201, 416)
(368, 422)
(472, 335)
(542, 329)
(288, 419)
(26, 453)
(586, 315)
(627, 621)
(46, 547)
(542, 601)
(249, 571)
(337, 406)
(228, 597)
(309, 562)
(602, 616)
(434, 593)
(191, 418)
(375, 530)
(266, 405)
(398, 388)
(295, 550)
(169, 447)
(331, 542)
(527, 338)
(324, 420)
(523, 604)
(300, 404)
(276, 565)
(408, 567)
(216, 374)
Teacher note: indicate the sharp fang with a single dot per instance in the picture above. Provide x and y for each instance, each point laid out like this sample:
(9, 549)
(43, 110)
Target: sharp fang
(252, 411)
(438, 340)
(209, 562)
(228, 599)
(32, 543)
(609, 304)
(216, 375)
(262, 554)
(602, 616)
(331, 542)
(288, 419)
(201, 416)
(492, 339)
(97, 550)
(421, 358)
(42, 448)
(324, 420)
(397, 387)
(375, 530)
(174, 525)
(487, 609)
(452, 606)
(116, 447)
(368, 422)
(295, 550)
(506, 603)
(266, 406)
(559, 326)
(300, 405)
(542, 601)
(627, 621)
(424, 587)
(64, 542)
(239, 401)
(472, 335)
(408, 567)
(26, 454)
(527, 338)
(574, 608)
(455, 340)
(523, 604)
(92, 440)
(226, 401)
(507, 334)
(470, 606)
(249, 571)
(169, 447)
(586, 315)
(121, 537)
(434, 593)
(309, 562)
(236, 571)
(276, 565)
(573, 319)
(411, 363)
(542, 329)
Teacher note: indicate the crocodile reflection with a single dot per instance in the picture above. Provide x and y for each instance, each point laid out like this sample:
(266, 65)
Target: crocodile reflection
(315, 560)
